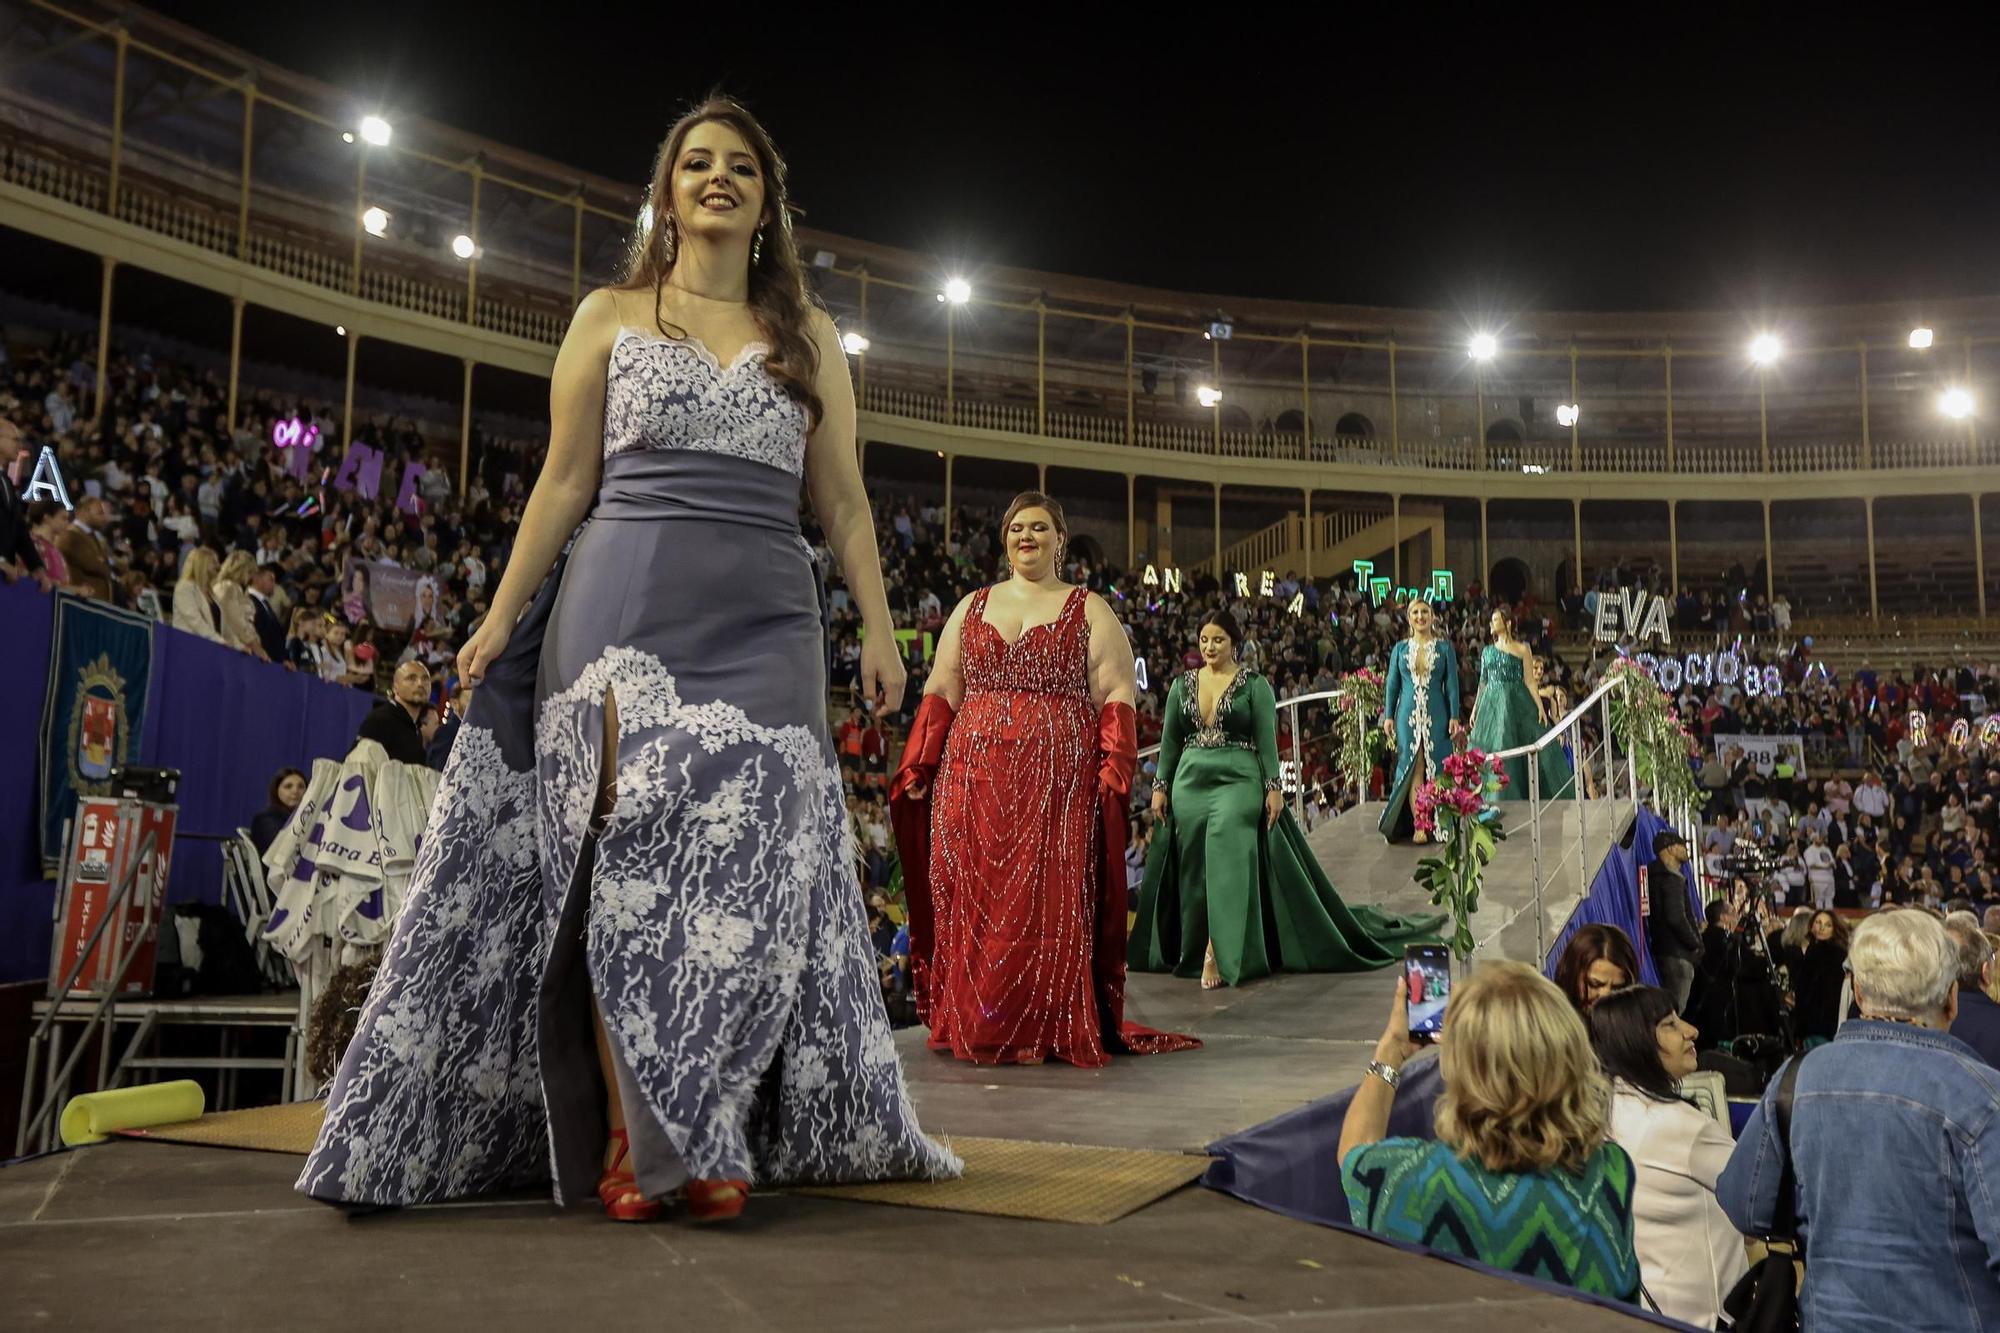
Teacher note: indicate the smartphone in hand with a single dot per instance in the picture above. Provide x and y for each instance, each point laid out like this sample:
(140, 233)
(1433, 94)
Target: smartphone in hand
(1427, 971)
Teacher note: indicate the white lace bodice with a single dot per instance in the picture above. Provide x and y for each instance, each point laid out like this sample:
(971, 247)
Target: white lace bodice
(664, 393)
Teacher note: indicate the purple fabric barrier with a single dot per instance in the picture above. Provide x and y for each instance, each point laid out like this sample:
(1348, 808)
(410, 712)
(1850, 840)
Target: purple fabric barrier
(27, 901)
(225, 720)
(229, 722)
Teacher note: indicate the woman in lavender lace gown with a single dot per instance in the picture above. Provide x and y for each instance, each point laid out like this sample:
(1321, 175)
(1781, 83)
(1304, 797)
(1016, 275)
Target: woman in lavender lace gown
(633, 958)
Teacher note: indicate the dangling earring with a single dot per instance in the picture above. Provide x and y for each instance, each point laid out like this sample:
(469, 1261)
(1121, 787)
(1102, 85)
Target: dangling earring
(757, 248)
(670, 239)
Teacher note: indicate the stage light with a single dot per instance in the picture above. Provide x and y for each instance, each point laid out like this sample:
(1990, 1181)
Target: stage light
(1567, 414)
(825, 259)
(854, 344)
(461, 245)
(1219, 330)
(1208, 395)
(340, 330)
(957, 291)
(375, 130)
(1765, 348)
(1920, 338)
(1484, 346)
(1955, 403)
(347, 136)
(375, 221)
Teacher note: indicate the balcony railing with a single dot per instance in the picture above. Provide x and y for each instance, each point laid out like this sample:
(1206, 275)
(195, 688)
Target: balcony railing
(288, 199)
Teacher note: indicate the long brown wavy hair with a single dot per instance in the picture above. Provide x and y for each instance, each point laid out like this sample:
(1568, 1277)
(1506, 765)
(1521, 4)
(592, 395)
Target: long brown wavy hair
(779, 298)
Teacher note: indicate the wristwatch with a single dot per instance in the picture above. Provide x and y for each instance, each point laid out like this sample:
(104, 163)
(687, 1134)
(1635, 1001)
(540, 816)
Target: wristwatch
(1387, 1073)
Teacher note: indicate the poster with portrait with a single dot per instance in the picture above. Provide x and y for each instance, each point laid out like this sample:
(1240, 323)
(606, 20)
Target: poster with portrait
(1762, 751)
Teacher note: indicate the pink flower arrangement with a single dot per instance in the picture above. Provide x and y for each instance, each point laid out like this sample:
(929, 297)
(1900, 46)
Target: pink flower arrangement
(1471, 779)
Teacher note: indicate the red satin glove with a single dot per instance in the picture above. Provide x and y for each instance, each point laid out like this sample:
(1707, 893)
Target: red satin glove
(1117, 748)
(924, 749)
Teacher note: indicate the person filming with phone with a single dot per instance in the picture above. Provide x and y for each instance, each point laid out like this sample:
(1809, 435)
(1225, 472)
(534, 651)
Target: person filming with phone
(1522, 1132)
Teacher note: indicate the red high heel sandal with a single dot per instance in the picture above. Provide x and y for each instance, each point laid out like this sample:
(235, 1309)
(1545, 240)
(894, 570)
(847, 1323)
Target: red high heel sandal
(616, 1183)
(716, 1200)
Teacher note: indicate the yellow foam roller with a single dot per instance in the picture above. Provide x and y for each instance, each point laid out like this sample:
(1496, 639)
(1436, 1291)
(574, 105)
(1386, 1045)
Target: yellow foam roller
(94, 1116)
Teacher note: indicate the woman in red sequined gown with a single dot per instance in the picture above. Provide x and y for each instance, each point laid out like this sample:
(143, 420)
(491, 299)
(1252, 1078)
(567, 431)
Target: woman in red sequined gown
(1010, 813)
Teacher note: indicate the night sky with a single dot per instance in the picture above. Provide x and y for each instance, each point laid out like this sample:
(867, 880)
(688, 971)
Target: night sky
(1630, 157)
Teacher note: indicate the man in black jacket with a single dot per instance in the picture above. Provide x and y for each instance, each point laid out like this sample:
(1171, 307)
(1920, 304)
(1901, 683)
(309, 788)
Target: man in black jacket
(1671, 929)
(396, 722)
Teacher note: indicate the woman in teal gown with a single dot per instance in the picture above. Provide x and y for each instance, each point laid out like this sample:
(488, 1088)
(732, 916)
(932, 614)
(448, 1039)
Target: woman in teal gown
(1232, 892)
(1420, 711)
(1508, 712)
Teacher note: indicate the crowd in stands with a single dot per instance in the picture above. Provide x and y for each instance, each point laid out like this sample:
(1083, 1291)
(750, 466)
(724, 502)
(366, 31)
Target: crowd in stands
(1571, 1144)
(217, 533)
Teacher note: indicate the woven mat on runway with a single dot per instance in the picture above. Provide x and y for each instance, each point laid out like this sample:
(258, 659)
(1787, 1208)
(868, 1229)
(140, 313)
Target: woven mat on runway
(289, 1128)
(1053, 1182)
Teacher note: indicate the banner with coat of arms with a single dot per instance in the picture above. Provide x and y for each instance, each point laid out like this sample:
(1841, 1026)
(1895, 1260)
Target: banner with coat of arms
(100, 665)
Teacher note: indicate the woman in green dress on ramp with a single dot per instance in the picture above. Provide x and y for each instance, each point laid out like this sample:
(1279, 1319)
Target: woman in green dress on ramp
(1509, 712)
(1232, 892)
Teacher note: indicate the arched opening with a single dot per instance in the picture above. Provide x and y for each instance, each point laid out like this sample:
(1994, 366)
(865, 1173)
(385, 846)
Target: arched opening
(1087, 549)
(1354, 426)
(1235, 418)
(1510, 580)
(1503, 432)
(1291, 422)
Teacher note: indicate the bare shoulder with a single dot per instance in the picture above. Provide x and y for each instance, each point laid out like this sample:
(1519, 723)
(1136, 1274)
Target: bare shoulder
(1099, 610)
(595, 325)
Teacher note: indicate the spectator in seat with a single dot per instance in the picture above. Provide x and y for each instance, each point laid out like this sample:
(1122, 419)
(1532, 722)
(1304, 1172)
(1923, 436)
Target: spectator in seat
(1978, 1021)
(47, 522)
(195, 611)
(19, 557)
(286, 790)
(1906, 1233)
(396, 724)
(1597, 960)
(232, 600)
(86, 549)
(264, 613)
(1535, 1184)
(1689, 1253)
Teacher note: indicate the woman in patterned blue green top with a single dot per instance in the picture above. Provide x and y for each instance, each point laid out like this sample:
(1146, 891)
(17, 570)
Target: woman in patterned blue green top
(1522, 1175)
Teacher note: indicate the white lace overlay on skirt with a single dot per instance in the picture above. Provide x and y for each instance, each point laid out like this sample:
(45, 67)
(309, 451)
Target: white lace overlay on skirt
(726, 945)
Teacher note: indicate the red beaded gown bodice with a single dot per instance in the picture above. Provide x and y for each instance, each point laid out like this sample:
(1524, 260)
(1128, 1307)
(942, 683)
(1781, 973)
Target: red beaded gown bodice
(1012, 848)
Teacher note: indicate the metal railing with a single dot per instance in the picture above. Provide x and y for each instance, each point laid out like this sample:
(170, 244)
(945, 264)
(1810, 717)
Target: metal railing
(56, 1087)
(1570, 729)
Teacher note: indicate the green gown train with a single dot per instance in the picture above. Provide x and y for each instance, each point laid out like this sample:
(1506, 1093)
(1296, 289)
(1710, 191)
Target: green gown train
(1214, 870)
(1504, 716)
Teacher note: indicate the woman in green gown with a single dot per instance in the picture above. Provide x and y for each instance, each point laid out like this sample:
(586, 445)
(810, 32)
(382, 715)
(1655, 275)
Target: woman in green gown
(1232, 892)
(1509, 712)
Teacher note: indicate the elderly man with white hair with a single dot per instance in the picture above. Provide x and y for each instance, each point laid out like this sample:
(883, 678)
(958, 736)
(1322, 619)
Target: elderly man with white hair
(1894, 1156)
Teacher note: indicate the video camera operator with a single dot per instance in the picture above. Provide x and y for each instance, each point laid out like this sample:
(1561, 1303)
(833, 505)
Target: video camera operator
(1675, 940)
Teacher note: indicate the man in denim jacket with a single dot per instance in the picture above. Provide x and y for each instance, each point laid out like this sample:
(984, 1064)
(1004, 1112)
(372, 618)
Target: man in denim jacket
(1895, 1140)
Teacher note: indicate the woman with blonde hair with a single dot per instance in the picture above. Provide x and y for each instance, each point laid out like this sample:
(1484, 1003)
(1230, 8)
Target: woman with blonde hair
(232, 600)
(194, 606)
(1522, 1175)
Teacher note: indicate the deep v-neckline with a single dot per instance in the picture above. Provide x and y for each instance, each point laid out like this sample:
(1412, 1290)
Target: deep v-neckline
(1026, 630)
(701, 349)
(1221, 698)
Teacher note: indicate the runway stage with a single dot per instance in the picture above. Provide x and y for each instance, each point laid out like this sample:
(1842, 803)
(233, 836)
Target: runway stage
(146, 1235)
